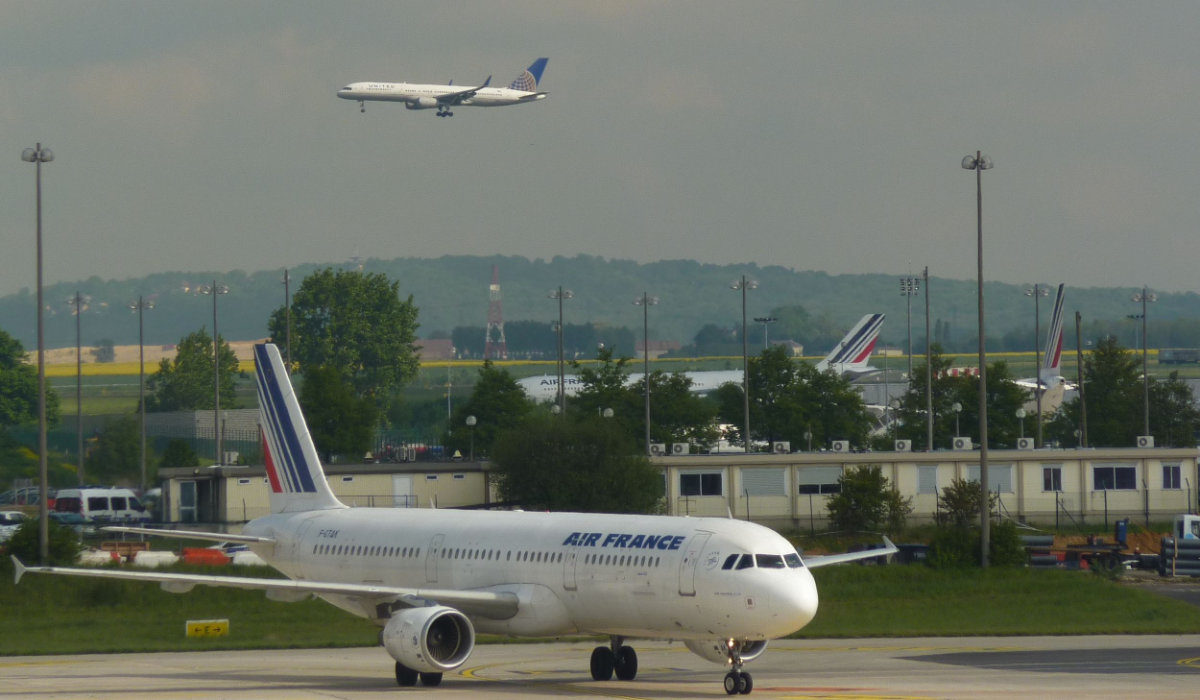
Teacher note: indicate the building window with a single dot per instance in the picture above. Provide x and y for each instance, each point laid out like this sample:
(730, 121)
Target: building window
(763, 482)
(1171, 478)
(701, 484)
(1114, 477)
(346, 479)
(927, 478)
(819, 480)
(999, 477)
(1052, 478)
(431, 477)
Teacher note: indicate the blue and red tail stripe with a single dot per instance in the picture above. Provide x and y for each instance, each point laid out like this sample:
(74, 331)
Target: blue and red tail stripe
(1054, 334)
(285, 454)
(858, 348)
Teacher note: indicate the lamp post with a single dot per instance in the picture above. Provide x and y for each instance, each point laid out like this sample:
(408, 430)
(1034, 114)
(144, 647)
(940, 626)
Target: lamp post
(216, 290)
(287, 315)
(645, 301)
(471, 424)
(39, 155)
(1037, 291)
(1079, 381)
(957, 408)
(766, 321)
(1145, 296)
(742, 285)
(979, 163)
(140, 306)
(78, 304)
(928, 371)
(560, 294)
(909, 287)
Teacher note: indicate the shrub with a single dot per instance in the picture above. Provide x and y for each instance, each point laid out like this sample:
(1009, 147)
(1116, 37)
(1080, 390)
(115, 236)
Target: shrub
(63, 543)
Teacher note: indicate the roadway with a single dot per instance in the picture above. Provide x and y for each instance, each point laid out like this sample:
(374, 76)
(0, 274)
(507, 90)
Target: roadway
(981, 667)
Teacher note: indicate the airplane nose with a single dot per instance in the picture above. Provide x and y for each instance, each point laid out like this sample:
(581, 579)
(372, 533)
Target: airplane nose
(797, 601)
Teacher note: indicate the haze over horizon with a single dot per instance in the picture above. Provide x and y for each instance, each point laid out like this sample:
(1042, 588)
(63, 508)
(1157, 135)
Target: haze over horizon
(815, 136)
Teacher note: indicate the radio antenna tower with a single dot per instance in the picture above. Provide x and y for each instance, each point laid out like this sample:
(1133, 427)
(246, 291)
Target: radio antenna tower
(495, 347)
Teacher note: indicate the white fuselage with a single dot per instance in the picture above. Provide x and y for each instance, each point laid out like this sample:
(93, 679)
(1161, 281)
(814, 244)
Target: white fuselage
(417, 94)
(630, 575)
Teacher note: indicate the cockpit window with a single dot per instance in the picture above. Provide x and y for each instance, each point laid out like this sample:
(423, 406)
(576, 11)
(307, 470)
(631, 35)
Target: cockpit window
(747, 562)
(793, 561)
(729, 560)
(770, 561)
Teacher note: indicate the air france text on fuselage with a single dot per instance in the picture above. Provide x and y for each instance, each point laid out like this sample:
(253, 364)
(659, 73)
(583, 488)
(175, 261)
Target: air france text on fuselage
(619, 540)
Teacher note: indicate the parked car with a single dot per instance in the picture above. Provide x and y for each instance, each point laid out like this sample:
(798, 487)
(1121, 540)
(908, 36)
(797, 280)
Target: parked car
(10, 520)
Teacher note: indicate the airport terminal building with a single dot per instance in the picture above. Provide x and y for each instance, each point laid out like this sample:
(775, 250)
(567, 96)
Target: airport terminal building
(784, 491)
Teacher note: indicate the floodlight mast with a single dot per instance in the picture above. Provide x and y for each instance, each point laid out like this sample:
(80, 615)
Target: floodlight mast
(979, 163)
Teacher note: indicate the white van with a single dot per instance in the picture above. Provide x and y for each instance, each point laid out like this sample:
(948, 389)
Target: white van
(102, 505)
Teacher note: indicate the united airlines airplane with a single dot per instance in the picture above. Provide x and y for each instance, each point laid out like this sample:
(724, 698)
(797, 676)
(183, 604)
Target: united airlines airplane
(445, 97)
(432, 579)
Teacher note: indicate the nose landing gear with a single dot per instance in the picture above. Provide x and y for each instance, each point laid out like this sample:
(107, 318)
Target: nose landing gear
(737, 681)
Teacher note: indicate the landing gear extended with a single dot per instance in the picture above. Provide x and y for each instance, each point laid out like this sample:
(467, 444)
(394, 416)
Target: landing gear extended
(406, 677)
(737, 681)
(444, 111)
(614, 659)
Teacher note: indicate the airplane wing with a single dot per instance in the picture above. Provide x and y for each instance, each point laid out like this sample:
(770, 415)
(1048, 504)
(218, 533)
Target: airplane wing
(190, 534)
(492, 604)
(456, 98)
(817, 561)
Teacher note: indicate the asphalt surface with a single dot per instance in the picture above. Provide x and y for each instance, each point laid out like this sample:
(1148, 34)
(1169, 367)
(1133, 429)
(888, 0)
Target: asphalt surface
(991, 667)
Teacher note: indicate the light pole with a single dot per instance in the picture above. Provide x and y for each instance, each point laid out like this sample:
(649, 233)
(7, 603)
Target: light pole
(287, 315)
(39, 155)
(140, 306)
(928, 371)
(1037, 291)
(1145, 296)
(1079, 381)
(216, 290)
(979, 163)
(766, 321)
(78, 304)
(471, 424)
(560, 294)
(909, 287)
(742, 285)
(957, 408)
(645, 301)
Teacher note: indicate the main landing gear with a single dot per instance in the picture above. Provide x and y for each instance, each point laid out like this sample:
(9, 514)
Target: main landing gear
(362, 106)
(737, 681)
(445, 112)
(406, 677)
(615, 658)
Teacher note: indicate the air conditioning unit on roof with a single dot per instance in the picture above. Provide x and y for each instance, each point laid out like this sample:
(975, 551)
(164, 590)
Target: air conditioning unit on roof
(962, 443)
(657, 449)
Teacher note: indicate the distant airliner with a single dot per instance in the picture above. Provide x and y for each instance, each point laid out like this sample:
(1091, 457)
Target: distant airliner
(1050, 373)
(851, 355)
(430, 578)
(445, 97)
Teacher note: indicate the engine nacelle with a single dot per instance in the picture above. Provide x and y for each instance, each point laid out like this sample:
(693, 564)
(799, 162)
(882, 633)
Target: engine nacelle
(429, 640)
(716, 651)
(422, 103)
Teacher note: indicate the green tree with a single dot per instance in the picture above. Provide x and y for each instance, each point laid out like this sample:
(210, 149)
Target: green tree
(677, 414)
(961, 501)
(63, 549)
(104, 351)
(178, 453)
(114, 457)
(1113, 388)
(588, 465)
(911, 421)
(19, 387)
(356, 324)
(340, 421)
(497, 402)
(866, 500)
(185, 383)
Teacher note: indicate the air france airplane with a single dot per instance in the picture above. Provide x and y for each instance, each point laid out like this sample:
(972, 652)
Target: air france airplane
(851, 355)
(432, 579)
(1050, 372)
(445, 97)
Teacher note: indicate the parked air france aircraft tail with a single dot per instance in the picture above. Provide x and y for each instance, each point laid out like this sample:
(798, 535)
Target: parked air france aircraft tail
(432, 578)
(444, 98)
(1050, 371)
(853, 353)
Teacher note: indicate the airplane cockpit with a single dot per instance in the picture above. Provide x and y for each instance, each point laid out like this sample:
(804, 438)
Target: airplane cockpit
(738, 562)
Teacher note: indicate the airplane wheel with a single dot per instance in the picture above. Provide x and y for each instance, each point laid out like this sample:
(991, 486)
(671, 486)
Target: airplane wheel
(626, 664)
(405, 676)
(602, 664)
(745, 684)
(732, 681)
(432, 680)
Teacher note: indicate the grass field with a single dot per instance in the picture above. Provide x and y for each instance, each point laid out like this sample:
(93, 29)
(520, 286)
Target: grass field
(61, 615)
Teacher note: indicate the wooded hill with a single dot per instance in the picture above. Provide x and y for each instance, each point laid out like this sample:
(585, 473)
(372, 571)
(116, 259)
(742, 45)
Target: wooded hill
(452, 291)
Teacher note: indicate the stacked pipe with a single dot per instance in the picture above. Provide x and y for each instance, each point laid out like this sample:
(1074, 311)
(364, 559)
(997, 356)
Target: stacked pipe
(1180, 557)
(1038, 549)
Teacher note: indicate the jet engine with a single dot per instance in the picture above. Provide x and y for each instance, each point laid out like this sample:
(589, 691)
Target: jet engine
(422, 103)
(429, 640)
(717, 652)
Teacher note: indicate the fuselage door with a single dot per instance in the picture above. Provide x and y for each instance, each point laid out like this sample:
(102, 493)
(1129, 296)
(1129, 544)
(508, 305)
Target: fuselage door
(431, 558)
(569, 561)
(691, 556)
(299, 560)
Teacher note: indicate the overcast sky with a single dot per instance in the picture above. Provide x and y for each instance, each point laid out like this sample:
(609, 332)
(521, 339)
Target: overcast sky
(826, 136)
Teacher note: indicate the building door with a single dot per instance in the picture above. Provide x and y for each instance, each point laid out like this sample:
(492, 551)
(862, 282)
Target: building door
(187, 501)
(402, 491)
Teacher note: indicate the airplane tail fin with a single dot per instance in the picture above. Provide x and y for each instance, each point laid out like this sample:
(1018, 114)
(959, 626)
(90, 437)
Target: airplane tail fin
(853, 352)
(293, 468)
(529, 79)
(1049, 372)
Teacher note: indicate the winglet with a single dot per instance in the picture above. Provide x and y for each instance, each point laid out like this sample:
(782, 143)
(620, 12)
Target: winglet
(18, 569)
